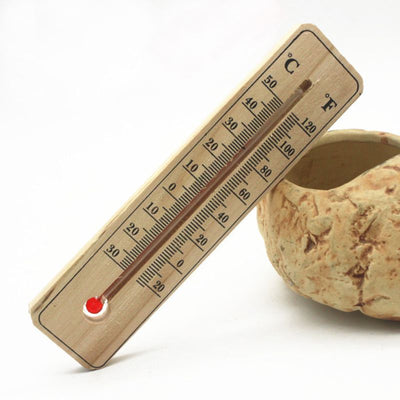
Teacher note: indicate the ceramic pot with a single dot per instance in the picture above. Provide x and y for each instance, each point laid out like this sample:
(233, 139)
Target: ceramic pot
(332, 226)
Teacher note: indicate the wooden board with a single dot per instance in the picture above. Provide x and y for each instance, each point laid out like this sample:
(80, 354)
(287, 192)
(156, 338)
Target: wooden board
(264, 105)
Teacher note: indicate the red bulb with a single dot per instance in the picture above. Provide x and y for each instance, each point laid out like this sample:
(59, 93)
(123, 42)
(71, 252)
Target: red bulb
(94, 305)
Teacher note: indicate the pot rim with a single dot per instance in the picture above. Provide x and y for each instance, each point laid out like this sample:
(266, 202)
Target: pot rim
(358, 135)
(353, 135)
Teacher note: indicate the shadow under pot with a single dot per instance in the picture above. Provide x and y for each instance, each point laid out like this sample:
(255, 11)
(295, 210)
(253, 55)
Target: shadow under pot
(332, 226)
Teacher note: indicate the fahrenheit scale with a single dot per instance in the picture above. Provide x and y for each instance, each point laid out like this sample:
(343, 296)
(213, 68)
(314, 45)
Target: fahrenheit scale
(175, 221)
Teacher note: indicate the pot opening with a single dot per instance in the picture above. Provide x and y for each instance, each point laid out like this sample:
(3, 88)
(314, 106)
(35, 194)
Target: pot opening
(334, 164)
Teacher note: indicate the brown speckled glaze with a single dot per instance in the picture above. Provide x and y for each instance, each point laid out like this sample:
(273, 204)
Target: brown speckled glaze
(332, 226)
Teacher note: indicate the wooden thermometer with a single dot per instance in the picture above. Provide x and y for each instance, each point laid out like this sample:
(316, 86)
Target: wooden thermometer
(178, 218)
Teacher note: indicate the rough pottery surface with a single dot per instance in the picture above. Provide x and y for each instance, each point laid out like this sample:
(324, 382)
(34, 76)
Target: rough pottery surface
(332, 226)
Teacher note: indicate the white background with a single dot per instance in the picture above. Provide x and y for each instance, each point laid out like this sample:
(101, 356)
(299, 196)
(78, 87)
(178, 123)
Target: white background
(86, 88)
